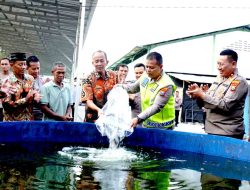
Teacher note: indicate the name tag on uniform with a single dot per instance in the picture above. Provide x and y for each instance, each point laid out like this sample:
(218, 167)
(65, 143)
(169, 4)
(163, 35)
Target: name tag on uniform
(145, 82)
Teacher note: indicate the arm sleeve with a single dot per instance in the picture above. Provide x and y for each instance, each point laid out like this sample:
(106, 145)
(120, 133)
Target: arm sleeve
(87, 92)
(200, 103)
(133, 88)
(231, 98)
(160, 101)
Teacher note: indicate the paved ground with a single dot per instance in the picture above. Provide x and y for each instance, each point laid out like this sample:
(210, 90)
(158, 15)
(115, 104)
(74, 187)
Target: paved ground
(195, 128)
(190, 127)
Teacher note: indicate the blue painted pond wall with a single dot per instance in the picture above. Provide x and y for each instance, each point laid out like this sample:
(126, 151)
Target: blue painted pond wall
(87, 134)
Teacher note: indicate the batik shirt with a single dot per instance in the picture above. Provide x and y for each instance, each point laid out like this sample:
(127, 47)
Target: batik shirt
(16, 108)
(2, 78)
(96, 88)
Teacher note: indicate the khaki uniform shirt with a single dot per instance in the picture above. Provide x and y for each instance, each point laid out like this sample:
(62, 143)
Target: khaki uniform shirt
(224, 103)
(160, 100)
(136, 105)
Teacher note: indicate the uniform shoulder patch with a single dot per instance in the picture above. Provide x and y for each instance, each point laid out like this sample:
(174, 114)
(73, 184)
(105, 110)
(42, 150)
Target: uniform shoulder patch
(234, 85)
(163, 91)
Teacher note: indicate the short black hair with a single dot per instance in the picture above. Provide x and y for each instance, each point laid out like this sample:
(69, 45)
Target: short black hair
(5, 58)
(121, 65)
(31, 58)
(140, 65)
(18, 56)
(156, 56)
(231, 54)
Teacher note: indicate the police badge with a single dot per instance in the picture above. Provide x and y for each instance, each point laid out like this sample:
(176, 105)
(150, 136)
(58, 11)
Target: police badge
(234, 85)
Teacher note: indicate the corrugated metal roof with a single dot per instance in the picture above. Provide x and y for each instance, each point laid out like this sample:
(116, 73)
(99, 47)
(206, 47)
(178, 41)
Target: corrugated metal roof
(45, 28)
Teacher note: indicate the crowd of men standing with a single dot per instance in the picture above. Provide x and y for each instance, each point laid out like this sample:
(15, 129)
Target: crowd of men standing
(153, 97)
(26, 96)
(223, 102)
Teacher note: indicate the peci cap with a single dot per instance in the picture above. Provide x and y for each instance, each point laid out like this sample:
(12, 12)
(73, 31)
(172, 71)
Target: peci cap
(17, 56)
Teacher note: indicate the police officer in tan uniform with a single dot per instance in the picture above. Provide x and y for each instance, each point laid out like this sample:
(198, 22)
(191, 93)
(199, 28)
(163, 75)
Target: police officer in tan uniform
(224, 100)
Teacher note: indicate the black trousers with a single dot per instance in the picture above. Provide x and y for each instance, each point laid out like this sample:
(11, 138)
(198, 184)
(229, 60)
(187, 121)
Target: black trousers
(177, 117)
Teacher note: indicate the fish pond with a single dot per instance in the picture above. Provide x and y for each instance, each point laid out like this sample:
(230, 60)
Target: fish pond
(47, 166)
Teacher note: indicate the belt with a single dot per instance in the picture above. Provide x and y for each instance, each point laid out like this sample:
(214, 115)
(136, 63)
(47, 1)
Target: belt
(167, 124)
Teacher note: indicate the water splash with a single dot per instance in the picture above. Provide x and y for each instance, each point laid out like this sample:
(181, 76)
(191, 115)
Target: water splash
(115, 122)
(111, 163)
(98, 155)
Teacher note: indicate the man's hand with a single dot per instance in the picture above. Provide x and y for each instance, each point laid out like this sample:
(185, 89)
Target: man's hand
(64, 118)
(100, 112)
(204, 87)
(196, 92)
(33, 95)
(68, 116)
(30, 96)
(37, 96)
(131, 96)
(122, 79)
(134, 122)
(192, 87)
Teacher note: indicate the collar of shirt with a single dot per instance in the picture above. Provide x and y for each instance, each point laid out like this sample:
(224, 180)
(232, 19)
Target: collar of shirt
(55, 85)
(222, 79)
(13, 78)
(106, 75)
(155, 80)
(39, 78)
(38, 82)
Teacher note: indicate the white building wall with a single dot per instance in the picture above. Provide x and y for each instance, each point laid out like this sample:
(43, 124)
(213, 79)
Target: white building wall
(199, 55)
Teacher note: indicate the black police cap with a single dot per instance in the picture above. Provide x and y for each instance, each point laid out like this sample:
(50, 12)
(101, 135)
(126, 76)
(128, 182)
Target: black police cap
(17, 56)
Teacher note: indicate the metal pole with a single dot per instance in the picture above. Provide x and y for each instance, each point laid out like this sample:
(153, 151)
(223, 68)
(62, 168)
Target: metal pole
(192, 110)
(213, 52)
(78, 50)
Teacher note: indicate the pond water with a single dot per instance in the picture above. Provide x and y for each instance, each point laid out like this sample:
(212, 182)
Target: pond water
(62, 166)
